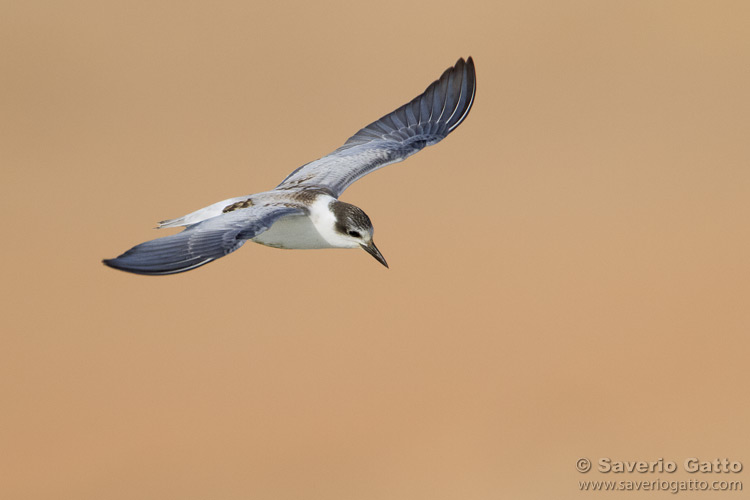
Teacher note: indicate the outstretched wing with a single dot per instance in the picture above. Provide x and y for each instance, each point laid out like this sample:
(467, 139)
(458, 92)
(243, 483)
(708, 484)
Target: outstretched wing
(422, 122)
(200, 243)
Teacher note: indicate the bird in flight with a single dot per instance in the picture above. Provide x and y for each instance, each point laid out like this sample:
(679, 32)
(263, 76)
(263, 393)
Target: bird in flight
(304, 211)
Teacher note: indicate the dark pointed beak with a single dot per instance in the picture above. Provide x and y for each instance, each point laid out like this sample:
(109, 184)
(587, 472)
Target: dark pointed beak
(373, 250)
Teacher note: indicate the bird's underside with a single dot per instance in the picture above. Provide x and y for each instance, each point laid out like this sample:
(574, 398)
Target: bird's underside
(296, 213)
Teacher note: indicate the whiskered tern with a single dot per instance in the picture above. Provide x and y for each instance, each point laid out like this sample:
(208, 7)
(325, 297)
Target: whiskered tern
(304, 211)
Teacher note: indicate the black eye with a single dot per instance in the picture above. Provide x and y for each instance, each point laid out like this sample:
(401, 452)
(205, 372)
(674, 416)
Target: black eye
(354, 234)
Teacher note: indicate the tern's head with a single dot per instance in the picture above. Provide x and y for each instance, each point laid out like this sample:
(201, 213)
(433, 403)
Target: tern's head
(353, 229)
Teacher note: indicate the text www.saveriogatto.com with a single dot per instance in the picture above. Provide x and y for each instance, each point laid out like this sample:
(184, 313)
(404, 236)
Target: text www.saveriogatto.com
(704, 469)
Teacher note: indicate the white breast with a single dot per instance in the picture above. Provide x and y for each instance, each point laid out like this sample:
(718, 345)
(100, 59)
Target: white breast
(296, 231)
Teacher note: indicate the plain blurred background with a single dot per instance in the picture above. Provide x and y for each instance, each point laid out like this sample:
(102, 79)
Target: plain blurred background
(569, 269)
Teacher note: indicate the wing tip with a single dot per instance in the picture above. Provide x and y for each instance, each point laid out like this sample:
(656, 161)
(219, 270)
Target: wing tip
(456, 101)
(465, 99)
(469, 62)
(121, 264)
(117, 263)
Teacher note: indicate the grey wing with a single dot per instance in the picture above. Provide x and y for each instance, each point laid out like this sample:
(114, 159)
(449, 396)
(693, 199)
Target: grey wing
(424, 121)
(200, 243)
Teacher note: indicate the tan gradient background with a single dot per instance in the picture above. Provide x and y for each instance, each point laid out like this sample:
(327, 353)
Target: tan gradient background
(569, 270)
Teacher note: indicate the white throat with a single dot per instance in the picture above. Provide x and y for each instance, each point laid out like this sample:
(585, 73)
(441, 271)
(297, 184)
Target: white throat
(324, 221)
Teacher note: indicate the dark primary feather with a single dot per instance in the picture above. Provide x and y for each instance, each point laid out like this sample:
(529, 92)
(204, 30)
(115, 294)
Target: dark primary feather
(200, 243)
(430, 116)
(423, 121)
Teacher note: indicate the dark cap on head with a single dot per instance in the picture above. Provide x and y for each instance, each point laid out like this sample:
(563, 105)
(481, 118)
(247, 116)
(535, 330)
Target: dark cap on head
(350, 218)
